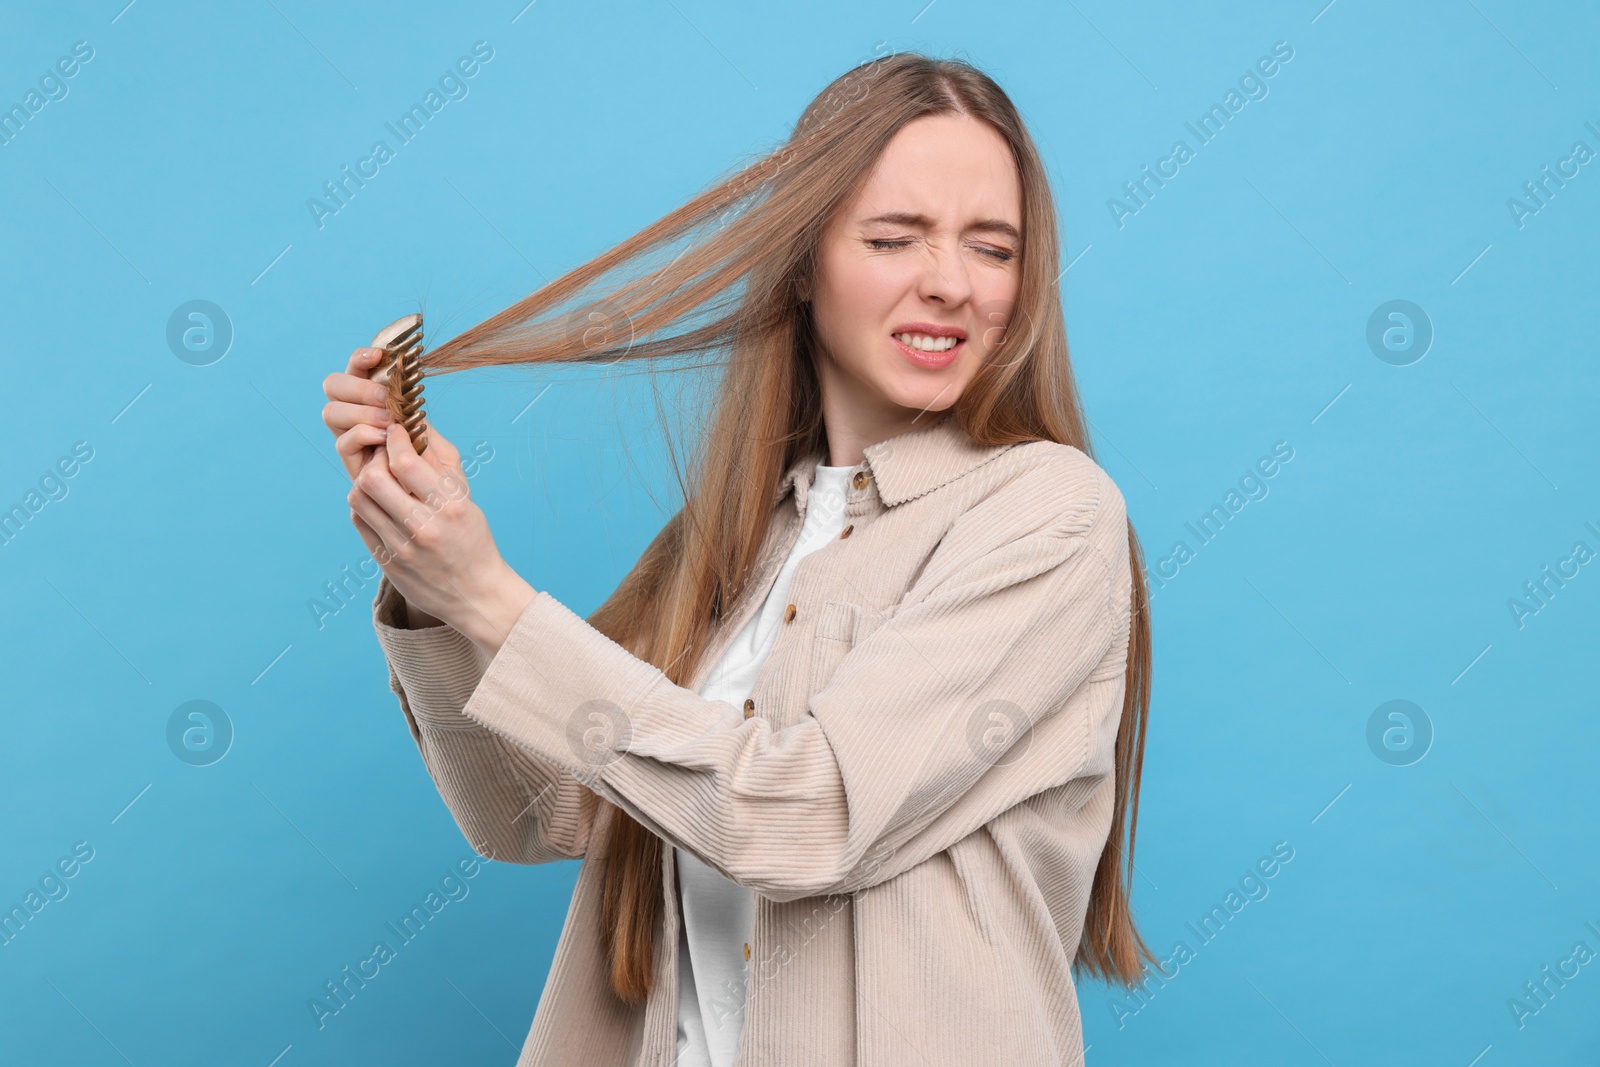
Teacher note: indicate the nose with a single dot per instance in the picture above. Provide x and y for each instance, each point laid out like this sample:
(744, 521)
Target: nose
(944, 277)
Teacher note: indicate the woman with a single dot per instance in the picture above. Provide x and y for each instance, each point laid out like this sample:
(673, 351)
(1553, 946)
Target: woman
(880, 683)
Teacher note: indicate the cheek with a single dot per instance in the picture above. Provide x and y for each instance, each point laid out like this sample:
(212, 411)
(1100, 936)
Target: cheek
(867, 292)
(994, 311)
(855, 304)
(995, 292)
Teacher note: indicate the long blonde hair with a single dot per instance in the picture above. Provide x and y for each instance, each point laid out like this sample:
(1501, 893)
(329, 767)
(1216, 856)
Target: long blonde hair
(725, 273)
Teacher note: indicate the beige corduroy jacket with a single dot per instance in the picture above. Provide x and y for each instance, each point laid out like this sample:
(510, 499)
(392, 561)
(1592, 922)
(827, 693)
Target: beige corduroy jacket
(918, 790)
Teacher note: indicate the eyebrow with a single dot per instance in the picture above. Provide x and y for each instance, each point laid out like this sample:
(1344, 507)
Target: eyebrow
(906, 218)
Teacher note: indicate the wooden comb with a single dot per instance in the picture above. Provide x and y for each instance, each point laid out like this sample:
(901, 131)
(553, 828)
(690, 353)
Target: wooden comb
(400, 371)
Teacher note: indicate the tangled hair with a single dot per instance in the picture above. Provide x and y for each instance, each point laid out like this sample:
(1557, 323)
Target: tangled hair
(725, 273)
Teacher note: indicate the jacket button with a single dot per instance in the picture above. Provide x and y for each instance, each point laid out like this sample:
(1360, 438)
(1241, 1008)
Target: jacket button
(788, 613)
(860, 480)
(749, 708)
(747, 950)
(846, 531)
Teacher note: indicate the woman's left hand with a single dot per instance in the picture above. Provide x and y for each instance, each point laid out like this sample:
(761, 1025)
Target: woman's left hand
(417, 517)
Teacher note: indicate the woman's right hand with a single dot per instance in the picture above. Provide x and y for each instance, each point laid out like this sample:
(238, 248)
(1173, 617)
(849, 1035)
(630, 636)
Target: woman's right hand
(358, 414)
(356, 411)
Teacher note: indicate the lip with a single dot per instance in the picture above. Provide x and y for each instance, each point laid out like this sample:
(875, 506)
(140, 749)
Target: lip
(932, 329)
(930, 360)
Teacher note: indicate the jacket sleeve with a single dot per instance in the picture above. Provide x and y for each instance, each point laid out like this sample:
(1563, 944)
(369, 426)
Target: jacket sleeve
(510, 805)
(1015, 629)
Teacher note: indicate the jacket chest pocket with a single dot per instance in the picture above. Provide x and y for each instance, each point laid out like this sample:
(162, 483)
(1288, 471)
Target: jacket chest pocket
(837, 623)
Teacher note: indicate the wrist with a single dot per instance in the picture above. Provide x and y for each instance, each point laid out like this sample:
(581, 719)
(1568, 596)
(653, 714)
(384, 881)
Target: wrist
(417, 619)
(489, 622)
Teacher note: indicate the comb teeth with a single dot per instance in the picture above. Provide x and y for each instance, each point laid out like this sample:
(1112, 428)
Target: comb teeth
(401, 372)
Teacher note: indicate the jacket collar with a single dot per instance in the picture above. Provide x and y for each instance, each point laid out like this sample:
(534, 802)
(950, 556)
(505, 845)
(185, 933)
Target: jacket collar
(905, 466)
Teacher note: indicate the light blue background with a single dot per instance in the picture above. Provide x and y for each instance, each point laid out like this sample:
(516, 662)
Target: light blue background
(1228, 314)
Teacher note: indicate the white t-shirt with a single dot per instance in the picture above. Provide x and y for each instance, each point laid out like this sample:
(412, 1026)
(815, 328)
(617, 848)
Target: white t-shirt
(718, 914)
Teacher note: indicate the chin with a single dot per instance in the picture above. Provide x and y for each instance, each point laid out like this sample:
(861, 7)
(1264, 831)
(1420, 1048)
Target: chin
(923, 397)
(919, 389)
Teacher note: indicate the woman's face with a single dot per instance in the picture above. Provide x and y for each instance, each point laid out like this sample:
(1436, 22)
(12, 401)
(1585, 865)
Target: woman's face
(918, 275)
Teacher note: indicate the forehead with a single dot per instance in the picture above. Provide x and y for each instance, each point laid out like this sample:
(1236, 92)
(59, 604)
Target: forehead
(952, 168)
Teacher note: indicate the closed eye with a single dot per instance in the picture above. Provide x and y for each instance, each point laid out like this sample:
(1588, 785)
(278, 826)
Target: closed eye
(885, 244)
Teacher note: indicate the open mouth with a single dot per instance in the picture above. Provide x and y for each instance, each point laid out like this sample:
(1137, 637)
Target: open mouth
(924, 342)
(929, 348)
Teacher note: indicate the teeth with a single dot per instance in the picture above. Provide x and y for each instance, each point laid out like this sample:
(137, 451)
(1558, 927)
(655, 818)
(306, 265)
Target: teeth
(924, 343)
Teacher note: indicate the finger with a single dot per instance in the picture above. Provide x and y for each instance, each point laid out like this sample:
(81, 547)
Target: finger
(360, 437)
(368, 535)
(447, 451)
(377, 479)
(357, 445)
(354, 389)
(377, 519)
(362, 360)
(452, 478)
(445, 458)
(417, 476)
(339, 416)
